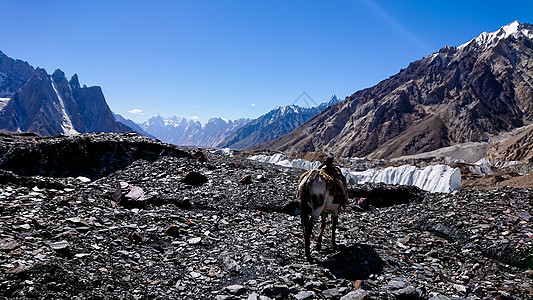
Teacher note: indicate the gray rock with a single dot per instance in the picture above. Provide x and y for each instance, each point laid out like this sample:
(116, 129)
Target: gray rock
(236, 289)
(304, 295)
(194, 178)
(331, 293)
(355, 295)
(8, 244)
(407, 293)
(439, 297)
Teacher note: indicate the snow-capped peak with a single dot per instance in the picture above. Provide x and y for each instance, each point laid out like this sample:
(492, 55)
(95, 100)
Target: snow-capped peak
(489, 39)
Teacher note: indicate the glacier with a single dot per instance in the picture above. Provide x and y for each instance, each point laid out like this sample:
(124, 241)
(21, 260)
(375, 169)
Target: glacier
(280, 160)
(434, 178)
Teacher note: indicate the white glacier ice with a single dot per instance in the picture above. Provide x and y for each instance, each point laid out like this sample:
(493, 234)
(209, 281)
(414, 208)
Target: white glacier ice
(280, 160)
(435, 178)
(224, 151)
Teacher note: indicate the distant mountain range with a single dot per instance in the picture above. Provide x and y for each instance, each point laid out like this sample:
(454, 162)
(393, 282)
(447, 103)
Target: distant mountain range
(278, 122)
(458, 94)
(34, 101)
(184, 132)
(239, 134)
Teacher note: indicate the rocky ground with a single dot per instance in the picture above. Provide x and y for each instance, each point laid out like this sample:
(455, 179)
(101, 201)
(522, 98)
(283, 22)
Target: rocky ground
(215, 227)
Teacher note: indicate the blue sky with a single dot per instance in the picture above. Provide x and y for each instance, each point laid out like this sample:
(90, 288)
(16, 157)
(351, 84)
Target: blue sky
(236, 59)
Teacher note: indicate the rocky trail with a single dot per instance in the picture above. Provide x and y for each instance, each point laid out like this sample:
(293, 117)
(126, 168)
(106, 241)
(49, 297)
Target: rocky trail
(208, 226)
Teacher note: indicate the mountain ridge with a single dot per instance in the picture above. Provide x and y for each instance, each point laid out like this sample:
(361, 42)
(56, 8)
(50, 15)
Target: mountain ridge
(458, 94)
(34, 101)
(275, 123)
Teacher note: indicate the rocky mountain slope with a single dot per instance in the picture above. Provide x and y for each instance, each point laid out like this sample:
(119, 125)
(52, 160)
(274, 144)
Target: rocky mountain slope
(184, 132)
(50, 104)
(13, 75)
(516, 148)
(273, 124)
(458, 94)
(198, 231)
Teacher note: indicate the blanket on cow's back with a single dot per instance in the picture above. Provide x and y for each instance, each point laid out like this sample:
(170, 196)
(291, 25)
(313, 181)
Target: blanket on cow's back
(336, 186)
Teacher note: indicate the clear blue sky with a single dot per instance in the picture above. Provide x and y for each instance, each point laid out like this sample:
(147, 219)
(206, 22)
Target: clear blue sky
(237, 58)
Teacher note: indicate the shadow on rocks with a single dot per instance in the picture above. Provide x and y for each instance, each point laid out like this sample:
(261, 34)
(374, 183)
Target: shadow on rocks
(354, 262)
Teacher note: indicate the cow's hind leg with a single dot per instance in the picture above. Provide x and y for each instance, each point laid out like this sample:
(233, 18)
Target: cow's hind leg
(307, 225)
(335, 221)
(322, 227)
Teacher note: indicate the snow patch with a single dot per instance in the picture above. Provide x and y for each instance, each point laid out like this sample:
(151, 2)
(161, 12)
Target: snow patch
(489, 39)
(225, 151)
(66, 123)
(436, 178)
(3, 102)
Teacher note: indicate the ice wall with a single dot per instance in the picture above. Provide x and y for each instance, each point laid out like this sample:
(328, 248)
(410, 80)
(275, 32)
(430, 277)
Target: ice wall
(280, 160)
(436, 178)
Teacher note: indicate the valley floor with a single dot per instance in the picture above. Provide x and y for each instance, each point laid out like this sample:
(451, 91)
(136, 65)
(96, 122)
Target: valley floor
(62, 238)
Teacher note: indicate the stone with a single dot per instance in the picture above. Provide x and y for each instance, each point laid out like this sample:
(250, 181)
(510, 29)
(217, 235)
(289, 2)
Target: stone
(276, 291)
(332, 293)
(439, 297)
(200, 155)
(61, 247)
(355, 295)
(524, 215)
(130, 196)
(83, 179)
(460, 288)
(173, 230)
(298, 278)
(236, 289)
(253, 296)
(195, 240)
(363, 202)
(246, 179)
(78, 222)
(305, 295)
(397, 284)
(194, 178)
(407, 293)
(261, 178)
(8, 244)
(135, 237)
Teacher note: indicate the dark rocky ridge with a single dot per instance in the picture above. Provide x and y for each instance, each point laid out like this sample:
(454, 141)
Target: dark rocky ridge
(92, 155)
(61, 238)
